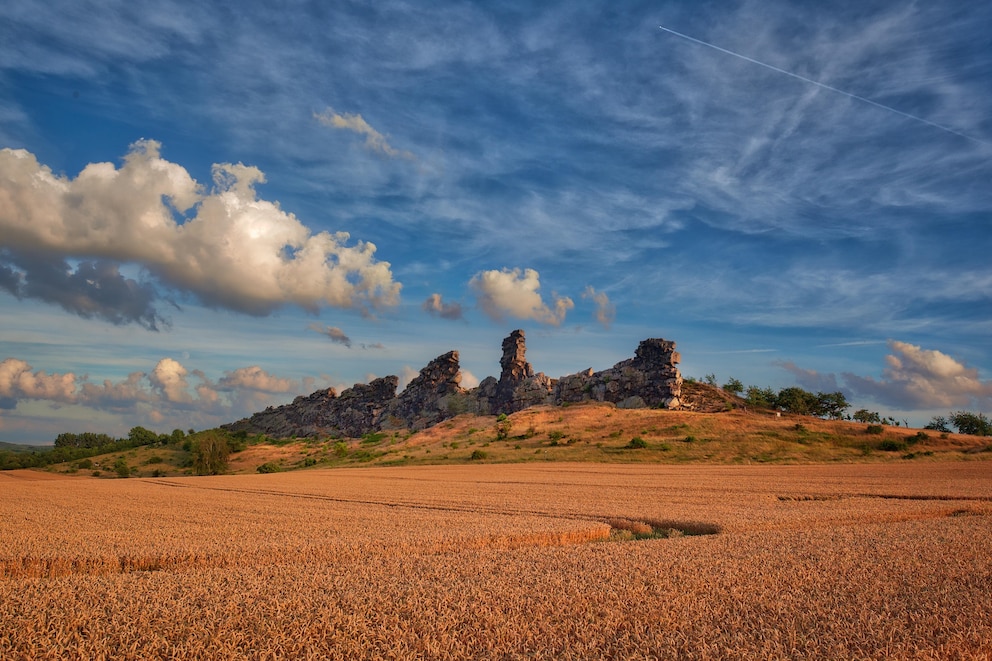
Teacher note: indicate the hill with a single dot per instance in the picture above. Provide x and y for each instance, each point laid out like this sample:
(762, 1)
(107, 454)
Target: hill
(589, 432)
(20, 447)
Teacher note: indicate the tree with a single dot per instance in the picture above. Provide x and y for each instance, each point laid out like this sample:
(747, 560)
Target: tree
(84, 440)
(733, 385)
(796, 400)
(975, 424)
(210, 453)
(831, 405)
(864, 415)
(710, 380)
(141, 436)
(503, 427)
(938, 423)
(760, 397)
(121, 467)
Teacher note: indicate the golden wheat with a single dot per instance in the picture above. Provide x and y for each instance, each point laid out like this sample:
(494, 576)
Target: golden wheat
(507, 562)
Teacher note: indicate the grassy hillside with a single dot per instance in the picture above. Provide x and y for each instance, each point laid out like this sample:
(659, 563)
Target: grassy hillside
(590, 432)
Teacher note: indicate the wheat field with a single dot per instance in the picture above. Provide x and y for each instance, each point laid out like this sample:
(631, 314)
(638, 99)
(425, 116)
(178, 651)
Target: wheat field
(868, 561)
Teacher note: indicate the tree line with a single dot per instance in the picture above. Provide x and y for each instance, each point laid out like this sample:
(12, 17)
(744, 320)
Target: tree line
(71, 446)
(966, 422)
(791, 400)
(832, 405)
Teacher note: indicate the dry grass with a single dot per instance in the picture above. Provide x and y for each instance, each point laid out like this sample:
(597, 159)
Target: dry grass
(875, 561)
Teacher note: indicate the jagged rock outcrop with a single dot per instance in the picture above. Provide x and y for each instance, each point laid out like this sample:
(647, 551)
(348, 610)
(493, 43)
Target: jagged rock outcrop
(518, 387)
(649, 379)
(354, 413)
(434, 395)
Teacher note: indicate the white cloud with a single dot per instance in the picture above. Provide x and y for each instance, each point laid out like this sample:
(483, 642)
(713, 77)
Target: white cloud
(407, 374)
(924, 378)
(255, 378)
(169, 377)
(435, 306)
(163, 397)
(469, 380)
(606, 312)
(515, 293)
(236, 251)
(17, 381)
(374, 141)
(913, 379)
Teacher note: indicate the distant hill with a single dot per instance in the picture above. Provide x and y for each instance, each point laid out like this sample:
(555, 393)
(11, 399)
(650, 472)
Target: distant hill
(19, 447)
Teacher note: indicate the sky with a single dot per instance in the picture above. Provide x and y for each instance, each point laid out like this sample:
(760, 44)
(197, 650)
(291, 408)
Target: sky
(210, 208)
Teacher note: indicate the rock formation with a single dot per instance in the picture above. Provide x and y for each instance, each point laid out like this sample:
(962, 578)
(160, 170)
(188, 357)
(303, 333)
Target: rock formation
(649, 379)
(433, 395)
(518, 387)
(355, 412)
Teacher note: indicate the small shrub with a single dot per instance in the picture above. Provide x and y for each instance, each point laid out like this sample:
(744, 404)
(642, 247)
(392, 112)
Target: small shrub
(454, 445)
(478, 455)
(96, 473)
(891, 445)
(637, 443)
(373, 437)
(875, 429)
(121, 468)
(919, 436)
(158, 472)
(269, 467)
(341, 449)
(689, 439)
(556, 435)
(154, 459)
(503, 426)
(85, 464)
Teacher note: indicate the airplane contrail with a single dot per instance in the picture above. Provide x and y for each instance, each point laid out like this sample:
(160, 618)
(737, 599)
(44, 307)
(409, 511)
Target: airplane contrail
(823, 85)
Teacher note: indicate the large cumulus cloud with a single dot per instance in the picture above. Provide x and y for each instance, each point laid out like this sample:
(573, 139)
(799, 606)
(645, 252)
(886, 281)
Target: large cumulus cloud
(224, 245)
(914, 378)
(515, 293)
(924, 378)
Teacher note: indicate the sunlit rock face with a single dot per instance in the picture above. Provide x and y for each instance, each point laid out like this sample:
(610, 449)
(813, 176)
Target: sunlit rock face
(649, 379)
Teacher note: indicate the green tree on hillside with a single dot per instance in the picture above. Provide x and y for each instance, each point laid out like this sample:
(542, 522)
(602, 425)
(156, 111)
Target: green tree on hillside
(763, 398)
(733, 385)
(975, 424)
(210, 454)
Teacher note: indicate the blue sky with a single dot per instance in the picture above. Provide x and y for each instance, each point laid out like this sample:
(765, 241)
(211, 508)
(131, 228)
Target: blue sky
(208, 208)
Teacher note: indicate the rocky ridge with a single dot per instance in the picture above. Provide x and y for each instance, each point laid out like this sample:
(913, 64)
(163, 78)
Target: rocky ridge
(649, 379)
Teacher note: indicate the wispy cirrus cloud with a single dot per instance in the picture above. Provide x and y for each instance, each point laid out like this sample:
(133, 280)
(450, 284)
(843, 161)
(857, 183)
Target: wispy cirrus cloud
(606, 312)
(374, 141)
